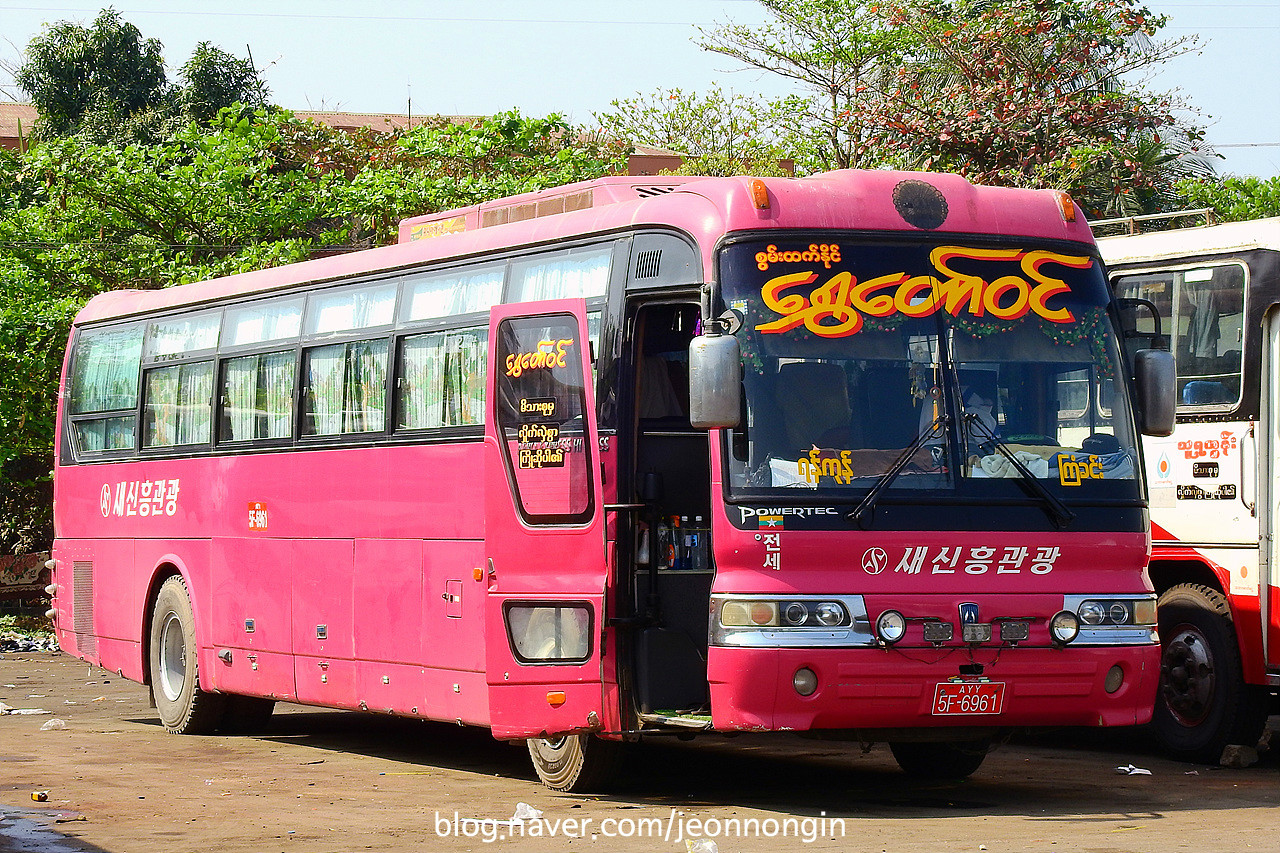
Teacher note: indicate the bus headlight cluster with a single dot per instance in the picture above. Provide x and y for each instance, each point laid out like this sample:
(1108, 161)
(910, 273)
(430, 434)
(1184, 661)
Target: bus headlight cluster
(783, 614)
(1117, 611)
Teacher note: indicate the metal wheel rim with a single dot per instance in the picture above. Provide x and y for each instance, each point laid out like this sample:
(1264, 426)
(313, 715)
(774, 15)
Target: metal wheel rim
(173, 658)
(1189, 679)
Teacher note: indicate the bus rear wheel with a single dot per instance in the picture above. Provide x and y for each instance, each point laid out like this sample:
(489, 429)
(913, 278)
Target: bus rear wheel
(940, 762)
(184, 708)
(1203, 704)
(575, 763)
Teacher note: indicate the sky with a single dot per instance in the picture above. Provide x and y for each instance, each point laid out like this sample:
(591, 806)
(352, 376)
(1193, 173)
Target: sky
(574, 57)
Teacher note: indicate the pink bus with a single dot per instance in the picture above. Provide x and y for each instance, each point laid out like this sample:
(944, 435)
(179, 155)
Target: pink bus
(854, 455)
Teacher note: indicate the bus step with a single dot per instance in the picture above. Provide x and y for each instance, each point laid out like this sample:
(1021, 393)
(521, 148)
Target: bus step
(700, 722)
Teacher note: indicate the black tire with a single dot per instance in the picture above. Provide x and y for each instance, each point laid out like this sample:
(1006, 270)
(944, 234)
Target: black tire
(246, 715)
(184, 708)
(940, 762)
(576, 763)
(1203, 703)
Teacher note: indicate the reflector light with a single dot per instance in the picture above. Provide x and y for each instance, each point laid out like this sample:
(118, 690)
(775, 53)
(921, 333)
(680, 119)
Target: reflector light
(555, 698)
(759, 194)
(805, 681)
(1115, 678)
(1067, 207)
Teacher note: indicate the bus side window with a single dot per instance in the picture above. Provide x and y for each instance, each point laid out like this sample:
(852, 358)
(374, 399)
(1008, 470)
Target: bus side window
(345, 388)
(104, 382)
(257, 397)
(442, 379)
(178, 406)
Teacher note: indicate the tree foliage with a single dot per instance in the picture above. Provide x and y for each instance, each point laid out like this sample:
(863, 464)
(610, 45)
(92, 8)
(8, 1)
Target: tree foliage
(259, 188)
(1235, 199)
(718, 133)
(1044, 94)
(1036, 94)
(106, 83)
(838, 52)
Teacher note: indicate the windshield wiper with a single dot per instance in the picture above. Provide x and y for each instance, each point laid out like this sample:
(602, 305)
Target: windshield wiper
(1059, 513)
(938, 427)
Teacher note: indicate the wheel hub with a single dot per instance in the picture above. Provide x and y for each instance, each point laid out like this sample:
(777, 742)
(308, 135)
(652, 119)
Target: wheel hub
(1189, 678)
(172, 675)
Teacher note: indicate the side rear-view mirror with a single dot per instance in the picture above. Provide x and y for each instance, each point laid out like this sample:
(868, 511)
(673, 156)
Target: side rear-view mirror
(715, 381)
(1156, 387)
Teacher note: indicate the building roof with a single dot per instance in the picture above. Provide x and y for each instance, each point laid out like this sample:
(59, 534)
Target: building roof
(15, 122)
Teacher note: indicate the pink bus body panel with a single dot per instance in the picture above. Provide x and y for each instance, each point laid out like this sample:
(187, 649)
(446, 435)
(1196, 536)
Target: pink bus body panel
(370, 586)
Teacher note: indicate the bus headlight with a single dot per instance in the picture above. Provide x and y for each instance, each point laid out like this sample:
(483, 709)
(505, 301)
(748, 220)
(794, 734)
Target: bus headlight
(891, 627)
(1117, 610)
(797, 621)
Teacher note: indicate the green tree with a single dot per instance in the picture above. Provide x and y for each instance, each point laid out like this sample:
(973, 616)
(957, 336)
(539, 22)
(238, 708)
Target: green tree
(92, 76)
(106, 83)
(256, 189)
(719, 133)
(1038, 94)
(838, 52)
(1234, 199)
(213, 79)
(1005, 92)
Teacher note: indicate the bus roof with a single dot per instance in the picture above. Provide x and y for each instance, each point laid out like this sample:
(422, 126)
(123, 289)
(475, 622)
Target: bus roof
(706, 208)
(1186, 242)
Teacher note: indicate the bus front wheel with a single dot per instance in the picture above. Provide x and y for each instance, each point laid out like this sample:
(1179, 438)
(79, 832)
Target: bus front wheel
(175, 678)
(1203, 704)
(947, 761)
(575, 763)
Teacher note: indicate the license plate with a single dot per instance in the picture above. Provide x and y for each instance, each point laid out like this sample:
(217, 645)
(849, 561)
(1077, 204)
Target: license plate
(952, 698)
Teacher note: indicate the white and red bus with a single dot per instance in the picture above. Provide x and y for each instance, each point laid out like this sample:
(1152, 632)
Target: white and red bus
(1214, 505)
(855, 453)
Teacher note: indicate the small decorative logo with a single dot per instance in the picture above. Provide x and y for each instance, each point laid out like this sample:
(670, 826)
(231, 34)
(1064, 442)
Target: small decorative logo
(1162, 467)
(104, 500)
(874, 561)
(968, 613)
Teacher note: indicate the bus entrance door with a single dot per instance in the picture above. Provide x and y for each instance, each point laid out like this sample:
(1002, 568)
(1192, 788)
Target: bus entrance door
(544, 528)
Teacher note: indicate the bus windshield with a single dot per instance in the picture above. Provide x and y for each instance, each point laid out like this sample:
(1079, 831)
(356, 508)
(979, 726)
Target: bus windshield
(915, 366)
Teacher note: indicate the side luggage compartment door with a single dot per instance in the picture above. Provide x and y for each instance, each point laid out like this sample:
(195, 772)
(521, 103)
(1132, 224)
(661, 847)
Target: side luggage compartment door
(544, 525)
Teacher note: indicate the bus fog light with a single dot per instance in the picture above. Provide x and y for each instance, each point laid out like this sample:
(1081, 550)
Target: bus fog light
(976, 632)
(1014, 631)
(891, 626)
(1064, 627)
(805, 681)
(1115, 678)
(938, 632)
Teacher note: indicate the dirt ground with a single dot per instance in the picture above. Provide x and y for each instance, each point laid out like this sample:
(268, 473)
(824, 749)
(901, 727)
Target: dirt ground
(333, 781)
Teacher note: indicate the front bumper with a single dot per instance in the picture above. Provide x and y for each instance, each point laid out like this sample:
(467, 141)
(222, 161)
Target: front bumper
(877, 688)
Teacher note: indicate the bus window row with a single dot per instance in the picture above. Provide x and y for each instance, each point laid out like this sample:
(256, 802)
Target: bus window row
(170, 361)
(440, 383)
